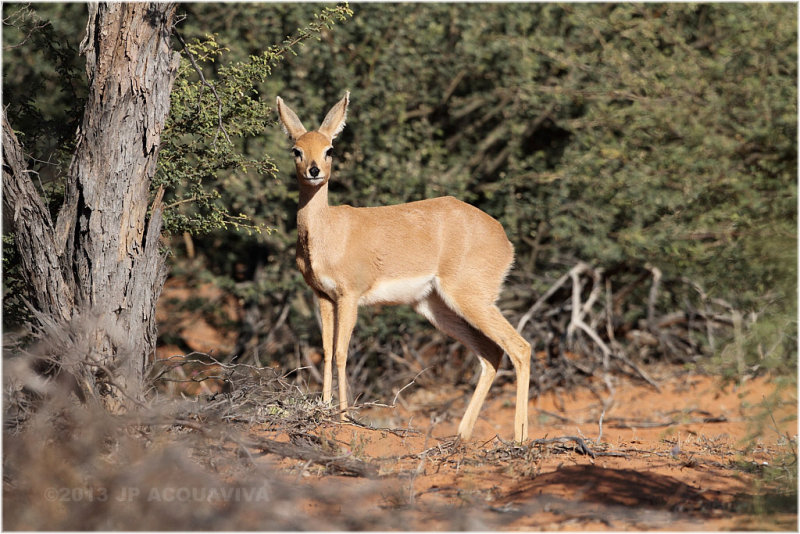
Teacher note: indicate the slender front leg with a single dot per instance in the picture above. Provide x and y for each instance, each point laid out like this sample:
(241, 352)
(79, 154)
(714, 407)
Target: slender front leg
(346, 313)
(326, 312)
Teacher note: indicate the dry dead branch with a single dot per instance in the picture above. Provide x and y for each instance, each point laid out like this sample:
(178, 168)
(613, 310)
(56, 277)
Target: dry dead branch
(616, 321)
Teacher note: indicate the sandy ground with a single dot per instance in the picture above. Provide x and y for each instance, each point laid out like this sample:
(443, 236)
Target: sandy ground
(679, 458)
(690, 455)
(616, 455)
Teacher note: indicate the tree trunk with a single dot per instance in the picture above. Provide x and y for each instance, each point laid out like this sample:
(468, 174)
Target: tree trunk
(101, 260)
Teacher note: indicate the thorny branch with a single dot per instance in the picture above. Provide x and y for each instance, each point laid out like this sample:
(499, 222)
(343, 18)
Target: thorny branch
(18, 18)
(206, 83)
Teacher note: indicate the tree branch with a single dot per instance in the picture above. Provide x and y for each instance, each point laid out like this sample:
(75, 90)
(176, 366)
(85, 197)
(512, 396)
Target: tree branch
(29, 220)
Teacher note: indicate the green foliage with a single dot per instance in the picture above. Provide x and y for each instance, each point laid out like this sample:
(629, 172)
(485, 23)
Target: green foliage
(623, 135)
(215, 161)
(660, 134)
(44, 86)
(199, 138)
(211, 161)
(687, 140)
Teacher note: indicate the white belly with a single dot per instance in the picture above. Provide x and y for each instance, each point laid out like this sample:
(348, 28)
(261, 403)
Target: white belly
(398, 291)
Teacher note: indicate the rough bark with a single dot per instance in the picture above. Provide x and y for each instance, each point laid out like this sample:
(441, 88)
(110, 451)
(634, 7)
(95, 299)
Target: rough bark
(26, 214)
(104, 244)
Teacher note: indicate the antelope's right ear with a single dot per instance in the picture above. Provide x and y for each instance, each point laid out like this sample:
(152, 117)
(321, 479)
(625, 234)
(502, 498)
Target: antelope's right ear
(289, 122)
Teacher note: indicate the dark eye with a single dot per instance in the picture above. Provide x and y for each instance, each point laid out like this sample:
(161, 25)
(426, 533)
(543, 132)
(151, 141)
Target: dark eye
(329, 153)
(297, 153)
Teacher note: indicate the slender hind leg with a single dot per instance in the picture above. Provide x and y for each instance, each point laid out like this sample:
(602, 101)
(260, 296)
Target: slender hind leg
(489, 353)
(488, 319)
(496, 327)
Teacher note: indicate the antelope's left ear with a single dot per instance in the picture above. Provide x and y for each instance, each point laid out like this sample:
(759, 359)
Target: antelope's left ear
(334, 120)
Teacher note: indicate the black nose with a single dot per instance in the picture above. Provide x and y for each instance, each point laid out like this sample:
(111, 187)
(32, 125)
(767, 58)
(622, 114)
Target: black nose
(313, 171)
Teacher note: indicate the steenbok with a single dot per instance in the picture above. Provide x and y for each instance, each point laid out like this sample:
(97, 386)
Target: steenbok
(445, 258)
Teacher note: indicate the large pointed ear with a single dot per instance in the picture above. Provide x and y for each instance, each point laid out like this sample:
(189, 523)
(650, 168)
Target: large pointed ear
(289, 121)
(334, 120)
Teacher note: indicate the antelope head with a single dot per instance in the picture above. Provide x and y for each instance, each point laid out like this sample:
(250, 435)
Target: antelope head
(313, 151)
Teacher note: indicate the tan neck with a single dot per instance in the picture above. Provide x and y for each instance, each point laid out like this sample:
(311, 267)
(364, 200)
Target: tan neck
(313, 201)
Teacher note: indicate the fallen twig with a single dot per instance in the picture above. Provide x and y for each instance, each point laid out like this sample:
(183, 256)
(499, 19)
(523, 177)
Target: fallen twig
(343, 464)
(399, 432)
(617, 422)
(582, 447)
